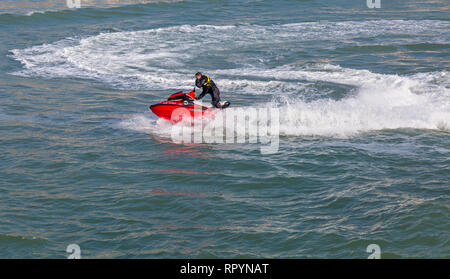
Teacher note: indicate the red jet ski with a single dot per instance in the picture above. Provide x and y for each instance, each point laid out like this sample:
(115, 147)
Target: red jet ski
(182, 105)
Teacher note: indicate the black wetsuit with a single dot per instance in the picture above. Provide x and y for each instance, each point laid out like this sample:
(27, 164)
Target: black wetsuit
(209, 87)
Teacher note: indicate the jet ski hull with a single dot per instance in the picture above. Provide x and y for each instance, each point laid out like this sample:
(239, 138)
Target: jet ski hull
(181, 106)
(177, 111)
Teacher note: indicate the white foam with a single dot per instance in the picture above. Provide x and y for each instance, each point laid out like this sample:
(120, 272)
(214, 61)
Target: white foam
(381, 102)
(371, 109)
(162, 58)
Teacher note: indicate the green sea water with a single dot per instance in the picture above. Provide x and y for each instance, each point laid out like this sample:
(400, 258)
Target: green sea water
(363, 157)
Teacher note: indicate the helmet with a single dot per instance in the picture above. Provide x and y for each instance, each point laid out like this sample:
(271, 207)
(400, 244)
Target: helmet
(198, 73)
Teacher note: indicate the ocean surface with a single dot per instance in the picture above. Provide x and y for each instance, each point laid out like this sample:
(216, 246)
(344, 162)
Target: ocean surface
(364, 144)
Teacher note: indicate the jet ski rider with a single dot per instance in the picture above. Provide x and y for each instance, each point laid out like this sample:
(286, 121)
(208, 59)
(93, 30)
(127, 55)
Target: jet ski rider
(209, 87)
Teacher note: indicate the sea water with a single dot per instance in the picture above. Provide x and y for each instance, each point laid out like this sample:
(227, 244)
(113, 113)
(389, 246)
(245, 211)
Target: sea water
(363, 96)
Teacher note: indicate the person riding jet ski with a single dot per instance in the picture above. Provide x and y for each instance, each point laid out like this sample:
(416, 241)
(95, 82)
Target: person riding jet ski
(209, 87)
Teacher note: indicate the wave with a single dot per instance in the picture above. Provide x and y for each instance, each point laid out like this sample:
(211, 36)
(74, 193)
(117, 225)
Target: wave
(420, 101)
(42, 11)
(164, 58)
